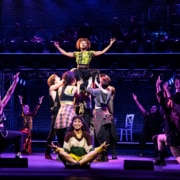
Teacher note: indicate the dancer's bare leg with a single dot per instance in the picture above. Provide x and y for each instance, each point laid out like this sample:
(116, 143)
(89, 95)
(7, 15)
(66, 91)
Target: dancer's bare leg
(161, 141)
(88, 157)
(64, 155)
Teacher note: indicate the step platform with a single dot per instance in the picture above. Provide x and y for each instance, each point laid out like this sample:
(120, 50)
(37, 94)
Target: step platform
(14, 162)
(138, 165)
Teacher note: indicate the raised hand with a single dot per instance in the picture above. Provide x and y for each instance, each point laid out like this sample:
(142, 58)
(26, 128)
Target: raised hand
(20, 99)
(16, 77)
(112, 40)
(56, 44)
(40, 99)
(104, 146)
(134, 96)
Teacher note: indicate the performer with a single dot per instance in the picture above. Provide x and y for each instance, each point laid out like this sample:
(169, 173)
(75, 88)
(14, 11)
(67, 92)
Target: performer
(102, 118)
(54, 82)
(83, 58)
(67, 94)
(153, 124)
(78, 151)
(9, 136)
(28, 117)
(171, 106)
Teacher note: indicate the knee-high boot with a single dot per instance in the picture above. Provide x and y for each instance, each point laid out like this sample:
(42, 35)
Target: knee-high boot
(160, 160)
(154, 140)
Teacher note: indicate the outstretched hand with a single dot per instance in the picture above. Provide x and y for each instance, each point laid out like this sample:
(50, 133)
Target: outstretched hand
(56, 44)
(20, 99)
(158, 81)
(89, 82)
(53, 146)
(40, 99)
(16, 77)
(134, 96)
(112, 40)
(104, 146)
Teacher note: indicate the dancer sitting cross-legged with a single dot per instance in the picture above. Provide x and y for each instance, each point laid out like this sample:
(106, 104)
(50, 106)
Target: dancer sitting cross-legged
(77, 150)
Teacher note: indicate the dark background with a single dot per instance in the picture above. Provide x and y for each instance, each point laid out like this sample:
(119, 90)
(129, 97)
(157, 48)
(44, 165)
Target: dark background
(129, 71)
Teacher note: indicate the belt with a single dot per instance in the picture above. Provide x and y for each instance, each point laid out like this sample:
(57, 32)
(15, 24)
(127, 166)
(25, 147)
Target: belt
(82, 66)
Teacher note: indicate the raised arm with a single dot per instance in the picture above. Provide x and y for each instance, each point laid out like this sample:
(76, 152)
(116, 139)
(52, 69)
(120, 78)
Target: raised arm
(97, 53)
(141, 108)
(55, 86)
(20, 99)
(111, 101)
(62, 51)
(41, 99)
(99, 86)
(10, 90)
(78, 86)
(158, 88)
(89, 83)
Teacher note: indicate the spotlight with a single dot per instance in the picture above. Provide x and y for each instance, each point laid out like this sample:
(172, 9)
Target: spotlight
(12, 46)
(171, 81)
(22, 82)
(161, 45)
(148, 46)
(175, 45)
(26, 46)
(133, 46)
(50, 46)
(38, 45)
(120, 46)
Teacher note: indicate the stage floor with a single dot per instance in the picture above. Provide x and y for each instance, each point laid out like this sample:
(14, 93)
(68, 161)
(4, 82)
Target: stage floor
(40, 167)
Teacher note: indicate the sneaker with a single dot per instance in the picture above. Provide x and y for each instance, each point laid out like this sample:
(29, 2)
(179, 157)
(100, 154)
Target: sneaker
(58, 158)
(18, 156)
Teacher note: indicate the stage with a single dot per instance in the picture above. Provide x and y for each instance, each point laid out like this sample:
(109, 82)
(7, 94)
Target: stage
(136, 168)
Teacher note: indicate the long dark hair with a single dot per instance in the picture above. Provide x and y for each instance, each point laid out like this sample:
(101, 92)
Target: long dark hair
(84, 127)
(68, 77)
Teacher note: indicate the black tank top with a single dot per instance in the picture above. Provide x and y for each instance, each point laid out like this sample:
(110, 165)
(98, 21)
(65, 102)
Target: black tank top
(65, 97)
(54, 105)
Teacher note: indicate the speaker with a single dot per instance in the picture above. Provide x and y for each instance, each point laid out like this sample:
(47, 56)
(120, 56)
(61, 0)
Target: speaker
(14, 162)
(138, 165)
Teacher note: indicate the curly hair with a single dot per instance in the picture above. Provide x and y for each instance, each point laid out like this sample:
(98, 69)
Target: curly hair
(51, 79)
(83, 39)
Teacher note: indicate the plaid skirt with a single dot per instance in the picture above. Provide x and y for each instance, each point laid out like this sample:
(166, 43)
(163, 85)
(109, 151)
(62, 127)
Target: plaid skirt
(64, 116)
